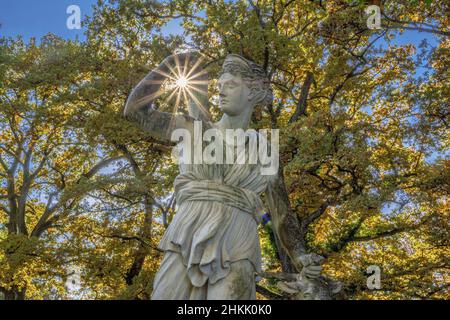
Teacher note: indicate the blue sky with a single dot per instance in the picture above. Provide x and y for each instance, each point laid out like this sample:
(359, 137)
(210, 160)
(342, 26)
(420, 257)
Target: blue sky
(30, 18)
(36, 18)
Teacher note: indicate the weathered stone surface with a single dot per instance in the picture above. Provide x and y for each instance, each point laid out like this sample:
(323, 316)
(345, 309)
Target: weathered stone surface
(211, 247)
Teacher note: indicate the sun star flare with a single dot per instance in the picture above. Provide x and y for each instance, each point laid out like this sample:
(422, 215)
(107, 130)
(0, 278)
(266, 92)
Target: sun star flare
(182, 82)
(182, 85)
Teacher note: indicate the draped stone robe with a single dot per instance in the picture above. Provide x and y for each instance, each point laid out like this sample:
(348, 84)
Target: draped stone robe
(216, 224)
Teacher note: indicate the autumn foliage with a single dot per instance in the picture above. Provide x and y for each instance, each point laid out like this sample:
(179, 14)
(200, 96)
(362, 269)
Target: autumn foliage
(364, 136)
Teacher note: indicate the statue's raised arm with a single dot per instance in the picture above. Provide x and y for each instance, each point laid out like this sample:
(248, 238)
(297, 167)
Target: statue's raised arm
(212, 243)
(139, 106)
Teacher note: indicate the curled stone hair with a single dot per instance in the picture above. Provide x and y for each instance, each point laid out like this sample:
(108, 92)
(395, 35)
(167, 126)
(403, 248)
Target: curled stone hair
(252, 74)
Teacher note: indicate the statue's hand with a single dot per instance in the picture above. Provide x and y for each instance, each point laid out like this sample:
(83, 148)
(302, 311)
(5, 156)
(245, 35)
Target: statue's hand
(310, 265)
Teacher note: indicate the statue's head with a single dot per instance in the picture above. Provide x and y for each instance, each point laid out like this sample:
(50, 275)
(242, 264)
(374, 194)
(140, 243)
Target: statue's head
(243, 84)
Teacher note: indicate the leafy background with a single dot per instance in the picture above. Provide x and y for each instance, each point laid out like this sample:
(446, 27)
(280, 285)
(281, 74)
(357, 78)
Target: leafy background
(363, 118)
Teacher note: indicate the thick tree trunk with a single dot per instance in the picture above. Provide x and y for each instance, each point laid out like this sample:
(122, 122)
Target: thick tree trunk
(286, 265)
(288, 234)
(12, 294)
(143, 250)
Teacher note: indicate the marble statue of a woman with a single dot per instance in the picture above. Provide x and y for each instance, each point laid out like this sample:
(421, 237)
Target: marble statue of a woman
(211, 247)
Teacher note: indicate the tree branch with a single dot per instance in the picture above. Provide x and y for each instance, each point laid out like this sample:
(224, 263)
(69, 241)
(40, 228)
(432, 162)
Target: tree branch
(44, 222)
(268, 293)
(417, 26)
(301, 105)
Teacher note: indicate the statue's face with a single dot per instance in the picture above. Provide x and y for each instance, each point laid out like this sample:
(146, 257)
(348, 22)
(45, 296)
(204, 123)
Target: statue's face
(234, 94)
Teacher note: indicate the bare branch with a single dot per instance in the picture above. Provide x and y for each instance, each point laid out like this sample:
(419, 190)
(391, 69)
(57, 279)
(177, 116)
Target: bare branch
(102, 164)
(391, 232)
(301, 105)
(268, 293)
(44, 222)
(417, 26)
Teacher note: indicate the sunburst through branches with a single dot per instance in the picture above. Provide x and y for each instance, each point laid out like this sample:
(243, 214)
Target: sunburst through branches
(184, 82)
